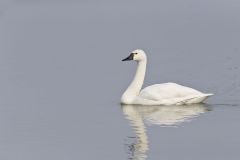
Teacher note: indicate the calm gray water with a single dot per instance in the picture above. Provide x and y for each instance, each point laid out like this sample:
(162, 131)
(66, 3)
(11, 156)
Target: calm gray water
(61, 78)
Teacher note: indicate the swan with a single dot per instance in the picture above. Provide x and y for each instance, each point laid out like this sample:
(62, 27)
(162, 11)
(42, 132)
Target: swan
(157, 94)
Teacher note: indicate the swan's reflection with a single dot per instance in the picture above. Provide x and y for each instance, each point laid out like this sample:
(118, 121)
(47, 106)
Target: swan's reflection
(139, 115)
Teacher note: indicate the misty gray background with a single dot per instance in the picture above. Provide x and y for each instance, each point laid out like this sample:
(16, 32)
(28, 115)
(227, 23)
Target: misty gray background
(61, 76)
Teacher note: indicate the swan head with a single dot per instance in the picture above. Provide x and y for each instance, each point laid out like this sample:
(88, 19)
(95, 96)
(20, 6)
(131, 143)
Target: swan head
(136, 55)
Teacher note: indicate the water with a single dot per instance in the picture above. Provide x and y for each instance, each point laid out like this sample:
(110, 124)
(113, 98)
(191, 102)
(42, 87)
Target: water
(62, 77)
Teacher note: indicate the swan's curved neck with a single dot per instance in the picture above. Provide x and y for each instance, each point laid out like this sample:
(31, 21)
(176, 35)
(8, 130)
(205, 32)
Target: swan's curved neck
(134, 88)
(138, 80)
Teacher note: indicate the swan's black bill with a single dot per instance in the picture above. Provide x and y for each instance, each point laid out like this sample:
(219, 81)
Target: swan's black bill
(129, 58)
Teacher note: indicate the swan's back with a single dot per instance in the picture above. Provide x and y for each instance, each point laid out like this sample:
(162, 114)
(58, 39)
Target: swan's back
(168, 91)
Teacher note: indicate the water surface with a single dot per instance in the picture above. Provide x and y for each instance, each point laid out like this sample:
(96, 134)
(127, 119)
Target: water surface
(62, 78)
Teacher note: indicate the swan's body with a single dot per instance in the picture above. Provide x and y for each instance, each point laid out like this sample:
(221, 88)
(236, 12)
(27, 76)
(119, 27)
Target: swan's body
(158, 94)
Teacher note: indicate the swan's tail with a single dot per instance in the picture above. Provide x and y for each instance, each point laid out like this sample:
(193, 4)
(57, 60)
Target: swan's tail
(208, 94)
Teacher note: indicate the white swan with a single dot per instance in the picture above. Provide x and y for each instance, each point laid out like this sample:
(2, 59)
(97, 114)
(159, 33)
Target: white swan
(158, 94)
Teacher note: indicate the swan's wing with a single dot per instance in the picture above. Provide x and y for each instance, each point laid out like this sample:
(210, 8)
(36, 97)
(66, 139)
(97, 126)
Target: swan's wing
(167, 91)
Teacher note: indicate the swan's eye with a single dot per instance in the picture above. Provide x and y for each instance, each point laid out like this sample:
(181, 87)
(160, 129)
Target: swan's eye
(135, 53)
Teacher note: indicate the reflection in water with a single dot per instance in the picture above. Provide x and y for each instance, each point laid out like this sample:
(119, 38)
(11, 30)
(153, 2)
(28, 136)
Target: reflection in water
(138, 115)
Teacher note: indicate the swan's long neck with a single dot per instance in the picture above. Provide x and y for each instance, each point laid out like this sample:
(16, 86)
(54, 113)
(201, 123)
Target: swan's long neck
(134, 88)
